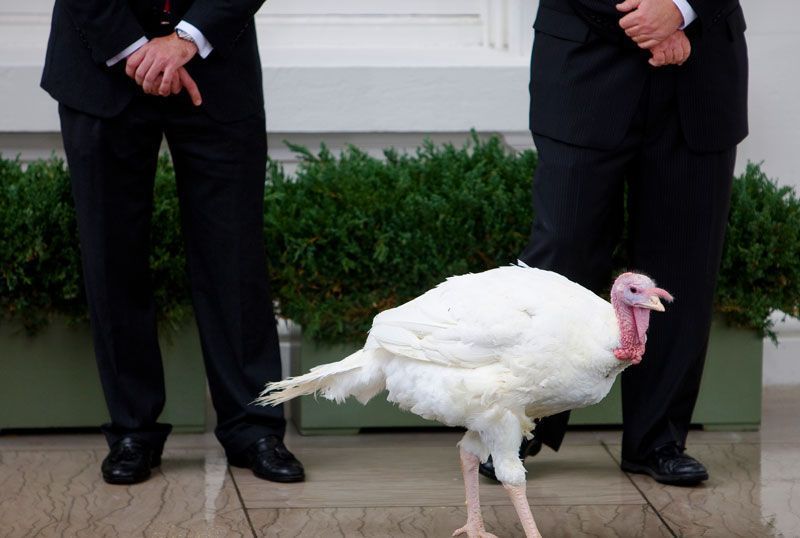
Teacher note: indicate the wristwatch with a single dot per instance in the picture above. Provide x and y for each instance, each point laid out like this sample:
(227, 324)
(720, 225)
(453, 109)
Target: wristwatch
(186, 36)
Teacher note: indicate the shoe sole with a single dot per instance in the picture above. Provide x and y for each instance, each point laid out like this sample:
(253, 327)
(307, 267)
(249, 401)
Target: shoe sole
(281, 479)
(690, 480)
(125, 481)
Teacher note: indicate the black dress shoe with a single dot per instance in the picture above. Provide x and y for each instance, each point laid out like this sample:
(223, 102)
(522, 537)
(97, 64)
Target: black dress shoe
(269, 459)
(669, 465)
(527, 448)
(129, 461)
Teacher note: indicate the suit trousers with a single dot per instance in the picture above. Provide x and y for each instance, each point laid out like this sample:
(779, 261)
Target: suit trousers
(676, 204)
(220, 173)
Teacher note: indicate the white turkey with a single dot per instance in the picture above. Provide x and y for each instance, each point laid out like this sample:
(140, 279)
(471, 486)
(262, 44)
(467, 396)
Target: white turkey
(491, 352)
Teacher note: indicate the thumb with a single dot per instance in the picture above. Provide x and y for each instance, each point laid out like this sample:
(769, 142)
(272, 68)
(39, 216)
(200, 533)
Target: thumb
(628, 5)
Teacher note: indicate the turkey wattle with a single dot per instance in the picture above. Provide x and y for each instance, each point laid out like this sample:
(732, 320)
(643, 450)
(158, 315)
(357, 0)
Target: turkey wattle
(491, 352)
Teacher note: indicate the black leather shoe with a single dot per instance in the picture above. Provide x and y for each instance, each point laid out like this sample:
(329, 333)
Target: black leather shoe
(269, 459)
(669, 465)
(129, 462)
(527, 448)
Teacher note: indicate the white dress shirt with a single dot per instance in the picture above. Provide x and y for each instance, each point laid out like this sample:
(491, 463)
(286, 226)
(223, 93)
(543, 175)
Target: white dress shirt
(686, 10)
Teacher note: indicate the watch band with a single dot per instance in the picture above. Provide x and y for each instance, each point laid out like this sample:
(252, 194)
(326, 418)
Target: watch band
(186, 36)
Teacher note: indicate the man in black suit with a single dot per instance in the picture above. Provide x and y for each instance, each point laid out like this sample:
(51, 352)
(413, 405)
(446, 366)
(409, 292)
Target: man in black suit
(126, 73)
(652, 94)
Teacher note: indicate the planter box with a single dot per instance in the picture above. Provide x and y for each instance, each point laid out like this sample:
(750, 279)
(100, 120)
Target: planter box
(730, 394)
(51, 380)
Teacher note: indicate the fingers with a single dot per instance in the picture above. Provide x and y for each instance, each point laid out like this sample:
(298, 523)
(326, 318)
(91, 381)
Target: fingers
(133, 61)
(158, 68)
(628, 5)
(675, 50)
(634, 32)
(687, 50)
(165, 87)
(154, 89)
(650, 22)
(670, 54)
(176, 84)
(658, 57)
(644, 41)
(191, 87)
(153, 65)
(143, 69)
(155, 72)
(645, 37)
(648, 43)
(630, 20)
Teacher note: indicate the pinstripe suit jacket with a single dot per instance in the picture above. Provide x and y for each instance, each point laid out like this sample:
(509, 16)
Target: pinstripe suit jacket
(587, 76)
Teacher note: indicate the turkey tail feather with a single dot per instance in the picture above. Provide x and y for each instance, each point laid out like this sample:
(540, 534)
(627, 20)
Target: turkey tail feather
(354, 375)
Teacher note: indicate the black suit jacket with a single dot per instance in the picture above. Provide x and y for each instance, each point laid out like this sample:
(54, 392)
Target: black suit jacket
(87, 33)
(587, 76)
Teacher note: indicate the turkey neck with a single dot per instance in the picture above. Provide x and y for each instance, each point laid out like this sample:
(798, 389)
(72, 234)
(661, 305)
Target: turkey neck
(633, 323)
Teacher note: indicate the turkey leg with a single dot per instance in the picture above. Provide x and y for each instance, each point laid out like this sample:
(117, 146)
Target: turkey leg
(474, 527)
(520, 501)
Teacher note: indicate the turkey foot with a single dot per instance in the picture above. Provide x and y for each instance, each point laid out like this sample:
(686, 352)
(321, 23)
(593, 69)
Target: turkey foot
(474, 531)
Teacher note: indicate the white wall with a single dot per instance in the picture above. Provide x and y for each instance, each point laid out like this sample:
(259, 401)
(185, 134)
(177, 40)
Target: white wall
(389, 72)
(772, 35)
(354, 66)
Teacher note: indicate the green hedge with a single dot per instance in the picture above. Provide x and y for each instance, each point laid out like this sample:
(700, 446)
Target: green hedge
(761, 261)
(39, 258)
(349, 235)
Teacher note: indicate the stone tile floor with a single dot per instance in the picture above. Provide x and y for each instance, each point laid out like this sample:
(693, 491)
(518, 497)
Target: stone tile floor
(404, 484)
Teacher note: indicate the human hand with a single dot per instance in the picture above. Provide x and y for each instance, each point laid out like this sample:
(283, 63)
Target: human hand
(155, 65)
(674, 50)
(649, 22)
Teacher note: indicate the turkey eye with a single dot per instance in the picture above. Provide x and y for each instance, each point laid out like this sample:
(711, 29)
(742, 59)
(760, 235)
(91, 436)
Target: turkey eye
(633, 290)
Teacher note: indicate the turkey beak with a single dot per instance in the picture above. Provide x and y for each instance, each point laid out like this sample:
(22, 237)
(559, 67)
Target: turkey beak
(655, 304)
(654, 301)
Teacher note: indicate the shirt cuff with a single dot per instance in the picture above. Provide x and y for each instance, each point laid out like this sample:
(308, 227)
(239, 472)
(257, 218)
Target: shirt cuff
(204, 48)
(139, 43)
(687, 11)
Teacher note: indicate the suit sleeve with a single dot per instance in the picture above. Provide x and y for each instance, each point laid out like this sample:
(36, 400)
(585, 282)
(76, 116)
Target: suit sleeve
(106, 26)
(710, 12)
(222, 22)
